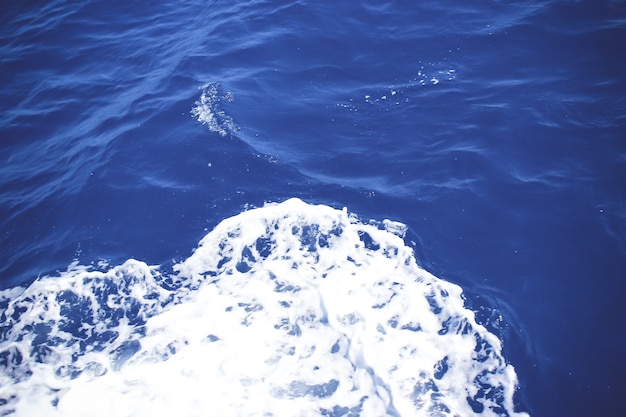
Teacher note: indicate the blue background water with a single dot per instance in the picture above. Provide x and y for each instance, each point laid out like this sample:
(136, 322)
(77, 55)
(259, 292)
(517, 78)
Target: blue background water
(494, 131)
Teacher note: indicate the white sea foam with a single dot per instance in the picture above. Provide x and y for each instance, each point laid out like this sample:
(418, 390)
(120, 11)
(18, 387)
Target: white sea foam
(208, 111)
(405, 91)
(286, 310)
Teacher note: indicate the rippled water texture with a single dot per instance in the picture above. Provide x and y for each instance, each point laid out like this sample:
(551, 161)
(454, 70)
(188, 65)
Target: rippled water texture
(493, 131)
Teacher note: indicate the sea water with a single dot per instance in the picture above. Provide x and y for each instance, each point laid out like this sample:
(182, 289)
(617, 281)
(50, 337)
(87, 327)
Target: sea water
(402, 208)
(289, 309)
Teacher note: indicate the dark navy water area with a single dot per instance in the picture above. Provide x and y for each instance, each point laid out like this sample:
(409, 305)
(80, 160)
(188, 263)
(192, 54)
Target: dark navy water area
(495, 131)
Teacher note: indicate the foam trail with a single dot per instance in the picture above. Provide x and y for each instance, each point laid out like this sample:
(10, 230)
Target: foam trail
(208, 111)
(290, 309)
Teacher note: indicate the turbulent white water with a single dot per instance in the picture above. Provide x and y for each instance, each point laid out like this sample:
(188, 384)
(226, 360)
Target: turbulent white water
(208, 111)
(286, 310)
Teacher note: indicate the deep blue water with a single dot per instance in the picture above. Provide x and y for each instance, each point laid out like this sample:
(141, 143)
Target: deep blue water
(495, 132)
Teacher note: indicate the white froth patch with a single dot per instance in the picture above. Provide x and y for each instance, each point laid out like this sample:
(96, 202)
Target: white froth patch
(290, 309)
(208, 111)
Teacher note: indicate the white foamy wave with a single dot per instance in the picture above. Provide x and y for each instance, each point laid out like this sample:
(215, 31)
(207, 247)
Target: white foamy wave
(208, 109)
(290, 309)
